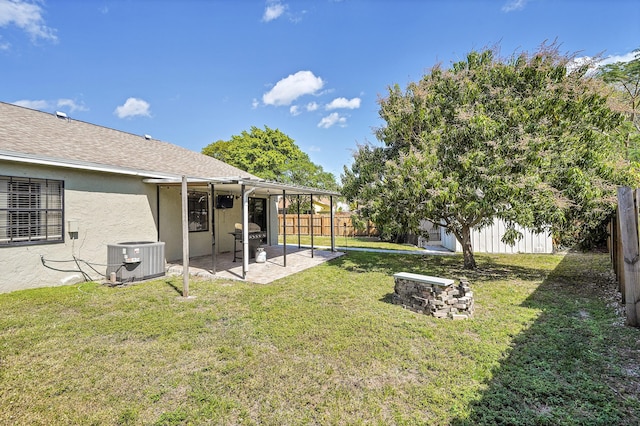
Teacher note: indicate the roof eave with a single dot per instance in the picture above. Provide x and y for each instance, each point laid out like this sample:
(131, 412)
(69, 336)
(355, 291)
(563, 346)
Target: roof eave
(261, 183)
(80, 165)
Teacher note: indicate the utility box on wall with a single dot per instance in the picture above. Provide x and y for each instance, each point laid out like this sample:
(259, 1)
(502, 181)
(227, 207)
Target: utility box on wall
(73, 226)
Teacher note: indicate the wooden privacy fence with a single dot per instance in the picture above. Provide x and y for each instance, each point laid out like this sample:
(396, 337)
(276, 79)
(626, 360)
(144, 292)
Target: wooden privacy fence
(322, 225)
(625, 251)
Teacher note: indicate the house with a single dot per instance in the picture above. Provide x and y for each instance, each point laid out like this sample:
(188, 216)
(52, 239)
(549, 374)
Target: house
(71, 191)
(323, 205)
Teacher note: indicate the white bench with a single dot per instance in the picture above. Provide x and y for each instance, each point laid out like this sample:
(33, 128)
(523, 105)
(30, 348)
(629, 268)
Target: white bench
(426, 279)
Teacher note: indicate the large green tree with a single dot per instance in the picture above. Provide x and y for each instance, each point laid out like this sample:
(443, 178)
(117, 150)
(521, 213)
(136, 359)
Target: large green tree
(272, 155)
(625, 78)
(526, 139)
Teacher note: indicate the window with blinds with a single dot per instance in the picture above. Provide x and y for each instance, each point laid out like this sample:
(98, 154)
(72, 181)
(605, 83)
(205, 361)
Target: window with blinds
(31, 210)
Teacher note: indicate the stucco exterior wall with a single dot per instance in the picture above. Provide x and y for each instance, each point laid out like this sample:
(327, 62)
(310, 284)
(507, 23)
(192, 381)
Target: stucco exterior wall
(171, 226)
(272, 220)
(108, 208)
(200, 242)
(226, 220)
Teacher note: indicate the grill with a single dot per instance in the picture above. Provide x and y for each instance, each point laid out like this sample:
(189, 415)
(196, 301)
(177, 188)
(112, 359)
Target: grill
(256, 235)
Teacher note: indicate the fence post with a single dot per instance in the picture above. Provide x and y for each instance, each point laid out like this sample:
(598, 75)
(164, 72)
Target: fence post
(619, 258)
(630, 252)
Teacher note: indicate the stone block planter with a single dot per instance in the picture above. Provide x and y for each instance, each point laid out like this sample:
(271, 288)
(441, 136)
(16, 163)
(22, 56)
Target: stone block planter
(439, 297)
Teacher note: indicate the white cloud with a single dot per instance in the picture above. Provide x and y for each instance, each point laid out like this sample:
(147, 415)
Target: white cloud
(133, 107)
(292, 87)
(255, 103)
(26, 16)
(274, 10)
(71, 104)
(618, 58)
(332, 119)
(40, 105)
(314, 148)
(44, 105)
(595, 64)
(297, 109)
(513, 5)
(343, 103)
(578, 62)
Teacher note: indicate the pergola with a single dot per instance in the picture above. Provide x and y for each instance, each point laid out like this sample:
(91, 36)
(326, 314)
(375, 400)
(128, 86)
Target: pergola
(245, 187)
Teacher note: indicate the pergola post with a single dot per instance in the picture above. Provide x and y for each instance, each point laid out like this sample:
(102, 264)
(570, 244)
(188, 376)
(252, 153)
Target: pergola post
(185, 239)
(331, 222)
(213, 228)
(284, 227)
(298, 220)
(312, 209)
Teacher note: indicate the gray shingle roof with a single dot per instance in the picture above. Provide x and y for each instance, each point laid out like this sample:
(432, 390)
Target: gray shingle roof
(44, 135)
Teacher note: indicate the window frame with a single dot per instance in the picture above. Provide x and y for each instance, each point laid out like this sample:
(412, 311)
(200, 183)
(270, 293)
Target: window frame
(31, 211)
(197, 205)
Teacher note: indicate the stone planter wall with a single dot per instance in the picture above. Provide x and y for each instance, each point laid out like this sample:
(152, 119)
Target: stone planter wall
(439, 297)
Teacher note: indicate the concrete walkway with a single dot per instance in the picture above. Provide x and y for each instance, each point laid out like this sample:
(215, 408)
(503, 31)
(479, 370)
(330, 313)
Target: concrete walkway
(432, 250)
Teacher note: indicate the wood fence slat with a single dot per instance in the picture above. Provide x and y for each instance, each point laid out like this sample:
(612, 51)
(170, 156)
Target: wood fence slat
(630, 252)
(322, 225)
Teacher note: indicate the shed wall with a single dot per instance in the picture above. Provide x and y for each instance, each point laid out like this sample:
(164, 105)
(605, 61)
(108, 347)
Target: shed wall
(488, 240)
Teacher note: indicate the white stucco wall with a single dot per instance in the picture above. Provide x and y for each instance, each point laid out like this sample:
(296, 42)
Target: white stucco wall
(108, 208)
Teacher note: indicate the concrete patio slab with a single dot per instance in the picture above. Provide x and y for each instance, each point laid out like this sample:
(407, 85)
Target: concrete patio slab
(297, 259)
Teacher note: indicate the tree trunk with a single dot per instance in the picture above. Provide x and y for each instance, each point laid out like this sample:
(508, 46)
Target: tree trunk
(467, 249)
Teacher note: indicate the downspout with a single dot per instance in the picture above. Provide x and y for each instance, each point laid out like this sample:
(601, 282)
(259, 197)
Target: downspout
(245, 230)
(269, 221)
(158, 211)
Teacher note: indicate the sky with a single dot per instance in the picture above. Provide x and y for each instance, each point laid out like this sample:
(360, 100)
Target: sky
(192, 72)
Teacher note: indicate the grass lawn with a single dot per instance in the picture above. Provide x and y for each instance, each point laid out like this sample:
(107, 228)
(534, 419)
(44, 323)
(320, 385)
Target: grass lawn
(547, 346)
(360, 242)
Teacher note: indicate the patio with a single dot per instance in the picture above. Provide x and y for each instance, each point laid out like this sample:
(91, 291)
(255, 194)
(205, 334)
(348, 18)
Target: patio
(298, 259)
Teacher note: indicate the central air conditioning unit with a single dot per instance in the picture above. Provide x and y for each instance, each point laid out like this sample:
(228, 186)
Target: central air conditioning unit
(136, 260)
